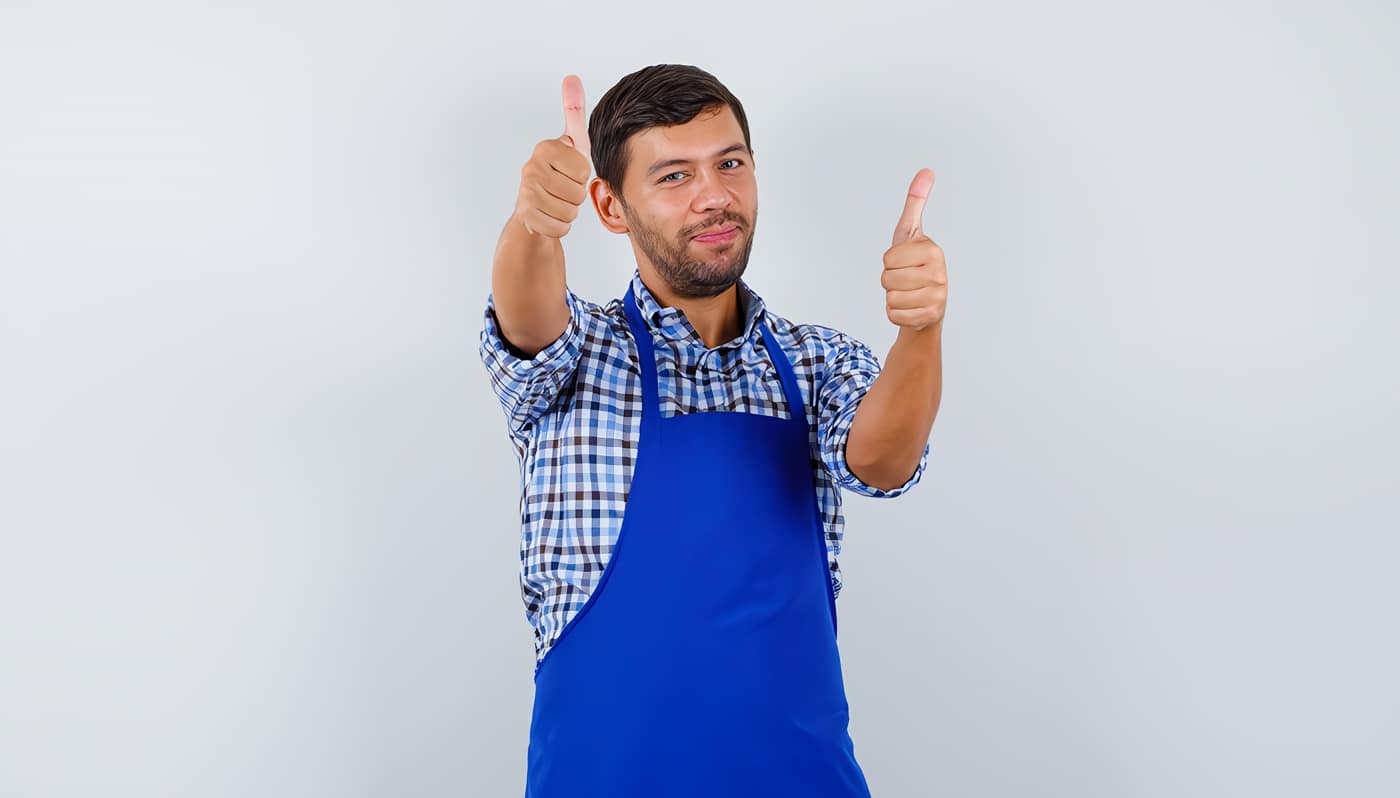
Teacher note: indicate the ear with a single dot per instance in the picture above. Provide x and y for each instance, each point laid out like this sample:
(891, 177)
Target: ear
(607, 205)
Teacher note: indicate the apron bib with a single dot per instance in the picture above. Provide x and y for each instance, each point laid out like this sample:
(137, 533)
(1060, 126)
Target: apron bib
(704, 663)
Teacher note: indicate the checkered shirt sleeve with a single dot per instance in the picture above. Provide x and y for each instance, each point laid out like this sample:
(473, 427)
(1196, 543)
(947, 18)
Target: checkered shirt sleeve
(850, 369)
(527, 387)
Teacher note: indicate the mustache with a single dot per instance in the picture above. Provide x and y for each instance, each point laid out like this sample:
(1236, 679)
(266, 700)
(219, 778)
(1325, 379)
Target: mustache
(737, 221)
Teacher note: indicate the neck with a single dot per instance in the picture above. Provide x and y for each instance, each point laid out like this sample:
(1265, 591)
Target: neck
(716, 318)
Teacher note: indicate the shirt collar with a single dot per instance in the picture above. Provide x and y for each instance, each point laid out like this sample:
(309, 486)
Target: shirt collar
(671, 322)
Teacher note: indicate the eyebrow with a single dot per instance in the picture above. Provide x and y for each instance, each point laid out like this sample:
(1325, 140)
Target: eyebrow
(683, 161)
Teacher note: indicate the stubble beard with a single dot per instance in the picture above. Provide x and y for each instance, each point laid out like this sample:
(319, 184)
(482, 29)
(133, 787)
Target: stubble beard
(684, 273)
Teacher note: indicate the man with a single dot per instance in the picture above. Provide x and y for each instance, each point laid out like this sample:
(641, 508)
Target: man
(681, 452)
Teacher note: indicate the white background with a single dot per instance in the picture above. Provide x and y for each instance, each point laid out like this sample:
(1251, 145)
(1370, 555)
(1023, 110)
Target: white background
(260, 526)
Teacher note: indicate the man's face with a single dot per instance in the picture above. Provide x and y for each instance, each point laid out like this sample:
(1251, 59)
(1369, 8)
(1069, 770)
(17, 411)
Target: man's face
(711, 187)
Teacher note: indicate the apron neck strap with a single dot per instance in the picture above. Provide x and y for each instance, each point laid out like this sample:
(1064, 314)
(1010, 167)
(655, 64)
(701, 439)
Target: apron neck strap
(651, 405)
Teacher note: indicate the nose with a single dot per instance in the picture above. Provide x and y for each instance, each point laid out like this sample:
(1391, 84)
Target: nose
(710, 193)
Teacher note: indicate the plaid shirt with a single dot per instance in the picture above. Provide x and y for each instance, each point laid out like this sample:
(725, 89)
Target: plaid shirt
(574, 416)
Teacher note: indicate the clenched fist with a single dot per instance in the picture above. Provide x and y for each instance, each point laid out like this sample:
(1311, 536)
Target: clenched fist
(915, 276)
(554, 182)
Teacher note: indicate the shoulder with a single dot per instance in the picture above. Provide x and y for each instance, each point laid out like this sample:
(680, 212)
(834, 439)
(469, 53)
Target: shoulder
(816, 344)
(597, 325)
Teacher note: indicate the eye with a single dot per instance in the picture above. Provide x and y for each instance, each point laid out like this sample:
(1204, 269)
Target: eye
(667, 179)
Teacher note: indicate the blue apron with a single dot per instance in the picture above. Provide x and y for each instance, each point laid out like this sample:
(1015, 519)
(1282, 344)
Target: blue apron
(704, 663)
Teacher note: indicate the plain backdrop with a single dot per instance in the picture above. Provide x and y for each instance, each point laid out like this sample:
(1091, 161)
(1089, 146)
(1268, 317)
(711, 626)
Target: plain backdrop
(260, 514)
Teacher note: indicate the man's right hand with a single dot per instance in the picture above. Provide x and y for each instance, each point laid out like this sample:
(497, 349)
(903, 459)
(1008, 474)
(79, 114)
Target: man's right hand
(554, 182)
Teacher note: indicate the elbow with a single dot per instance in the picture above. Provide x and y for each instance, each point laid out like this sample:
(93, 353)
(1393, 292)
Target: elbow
(882, 474)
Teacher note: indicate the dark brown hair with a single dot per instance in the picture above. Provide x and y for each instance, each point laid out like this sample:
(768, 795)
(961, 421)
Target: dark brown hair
(658, 95)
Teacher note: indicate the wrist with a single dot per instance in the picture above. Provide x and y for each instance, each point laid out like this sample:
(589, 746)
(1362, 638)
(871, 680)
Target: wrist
(932, 335)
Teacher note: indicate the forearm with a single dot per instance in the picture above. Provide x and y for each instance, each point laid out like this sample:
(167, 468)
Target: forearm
(892, 422)
(527, 286)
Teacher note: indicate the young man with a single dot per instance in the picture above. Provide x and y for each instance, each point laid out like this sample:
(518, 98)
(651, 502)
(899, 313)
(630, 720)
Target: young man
(682, 450)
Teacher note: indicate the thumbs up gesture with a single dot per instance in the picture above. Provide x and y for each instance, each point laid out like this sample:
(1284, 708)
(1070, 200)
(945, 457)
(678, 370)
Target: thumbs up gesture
(915, 276)
(553, 183)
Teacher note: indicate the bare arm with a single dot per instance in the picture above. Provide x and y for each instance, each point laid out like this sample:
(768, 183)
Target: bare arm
(893, 420)
(527, 272)
(891, 427)
(527, 288)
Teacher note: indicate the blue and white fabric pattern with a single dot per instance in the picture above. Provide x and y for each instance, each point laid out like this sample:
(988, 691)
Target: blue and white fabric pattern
(574, 415)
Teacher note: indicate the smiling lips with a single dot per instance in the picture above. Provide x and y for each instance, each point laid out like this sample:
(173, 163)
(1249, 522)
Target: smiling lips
(721, 235)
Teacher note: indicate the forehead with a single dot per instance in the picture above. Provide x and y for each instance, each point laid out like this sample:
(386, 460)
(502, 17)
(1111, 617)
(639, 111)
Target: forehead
(696, 140)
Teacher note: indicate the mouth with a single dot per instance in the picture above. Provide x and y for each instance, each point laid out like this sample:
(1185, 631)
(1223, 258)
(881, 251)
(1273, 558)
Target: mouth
(718, 236)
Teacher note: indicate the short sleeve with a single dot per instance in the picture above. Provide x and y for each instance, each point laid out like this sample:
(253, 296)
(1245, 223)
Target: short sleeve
(850, 369)
(527, 387)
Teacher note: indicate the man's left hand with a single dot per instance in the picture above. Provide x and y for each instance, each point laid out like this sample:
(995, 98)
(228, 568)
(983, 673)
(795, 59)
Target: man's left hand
(915, 276)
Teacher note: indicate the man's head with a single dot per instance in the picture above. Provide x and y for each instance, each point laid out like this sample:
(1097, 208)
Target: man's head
(670, 145)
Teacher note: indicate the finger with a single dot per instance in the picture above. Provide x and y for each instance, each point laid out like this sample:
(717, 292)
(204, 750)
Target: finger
(562, 209)
(911, 222)
(911, 299)
(903, 279)
(575, 121)
(539, 221)
(577, 174)
(566, 187)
